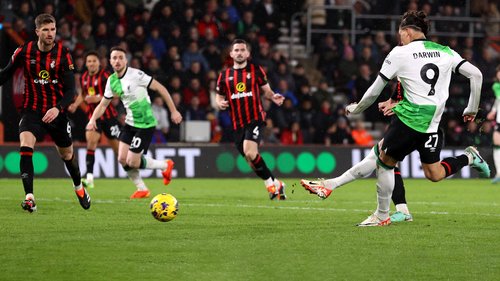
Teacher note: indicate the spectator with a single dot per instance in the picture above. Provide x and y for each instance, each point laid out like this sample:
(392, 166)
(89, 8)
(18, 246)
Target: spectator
(137, 40)
(360, 135)
(158, 44)
(65, 35)
(299, 77)
(268, 20)
(119, 36)
(339, 133)
(154, 70)
(213, 56)
(246, 24)
(230, 9)
(195, 72)
(85, 37)
(195, 111)
(193, 54)
(307, 115)
(196, 90)
(323, 120)
(208, 22)
(288, 94)
(270, 132)
(282, 73)
(101, 36)
(292, 135)
(161, 115)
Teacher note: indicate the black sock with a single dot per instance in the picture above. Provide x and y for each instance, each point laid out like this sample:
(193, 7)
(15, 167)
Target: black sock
(260, 168)
(90, 160)
(398, 194)
(142, 165)
(454, 164)
(73, 170)
(26, 167)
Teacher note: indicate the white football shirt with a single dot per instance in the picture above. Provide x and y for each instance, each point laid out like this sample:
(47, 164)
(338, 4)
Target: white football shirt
(424, 69)
(132, 89)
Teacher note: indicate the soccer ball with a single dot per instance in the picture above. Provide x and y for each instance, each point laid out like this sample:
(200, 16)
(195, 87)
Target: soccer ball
(164, 207)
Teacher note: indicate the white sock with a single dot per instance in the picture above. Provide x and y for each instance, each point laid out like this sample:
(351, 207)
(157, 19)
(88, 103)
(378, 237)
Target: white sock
(362, 169)
(277, 183)
(402, 208)
(90, 177)
(496, 159)
(30, 196)
(385, 186)
(155, 164)
(269, 182)
(77, 187)
(135, 177)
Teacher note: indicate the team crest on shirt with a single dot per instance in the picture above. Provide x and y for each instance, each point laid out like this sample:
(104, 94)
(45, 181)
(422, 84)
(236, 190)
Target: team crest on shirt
(53, 64)
(249, 76)
(241, 87)
(231, 78)
(95, 83)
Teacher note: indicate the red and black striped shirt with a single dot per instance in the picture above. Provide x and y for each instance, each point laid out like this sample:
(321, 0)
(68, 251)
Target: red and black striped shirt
(242, 89)
(94, 85)
(44, 76)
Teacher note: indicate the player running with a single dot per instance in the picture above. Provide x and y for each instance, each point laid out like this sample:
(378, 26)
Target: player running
(49, 89)
(93, 83)
(424, 69)
(131, 86)
(238, 89)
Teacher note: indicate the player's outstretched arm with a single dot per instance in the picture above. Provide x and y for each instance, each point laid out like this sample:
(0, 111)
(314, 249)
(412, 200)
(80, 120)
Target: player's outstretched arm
(271, 95)
(476, 80)
(369, 97)
(98, 112)
(175, 115)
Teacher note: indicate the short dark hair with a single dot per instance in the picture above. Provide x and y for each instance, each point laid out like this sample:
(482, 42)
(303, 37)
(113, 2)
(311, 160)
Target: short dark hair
(416, 20)
(42, 19)
(92, 53)
(117, 48)
(241, 41)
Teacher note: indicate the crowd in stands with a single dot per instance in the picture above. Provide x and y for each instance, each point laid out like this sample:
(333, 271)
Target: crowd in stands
(184, 44)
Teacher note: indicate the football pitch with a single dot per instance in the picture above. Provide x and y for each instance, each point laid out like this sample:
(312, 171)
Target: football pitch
(228, 229)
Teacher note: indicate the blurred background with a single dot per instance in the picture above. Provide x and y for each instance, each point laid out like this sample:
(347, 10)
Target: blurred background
(320, 54)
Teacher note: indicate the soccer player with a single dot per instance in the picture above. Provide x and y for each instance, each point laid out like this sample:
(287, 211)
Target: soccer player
(496, 133)
(239, 89)
(49, 89)
(323, 188)
(131, 86)
(424, 69)
(93, 82)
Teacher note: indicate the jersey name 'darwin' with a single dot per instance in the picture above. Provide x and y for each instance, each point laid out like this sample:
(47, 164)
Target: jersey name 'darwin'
(426, 55)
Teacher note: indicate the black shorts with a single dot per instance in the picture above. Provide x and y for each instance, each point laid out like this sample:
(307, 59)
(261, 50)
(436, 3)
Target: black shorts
(401, 140)
(110, 128)
(138, 139)
(252, 132)
(59, 129)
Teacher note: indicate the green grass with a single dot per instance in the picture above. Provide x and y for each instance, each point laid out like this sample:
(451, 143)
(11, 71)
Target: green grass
(229, 230)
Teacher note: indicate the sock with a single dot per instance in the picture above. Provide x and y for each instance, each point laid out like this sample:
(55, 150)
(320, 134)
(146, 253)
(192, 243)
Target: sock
(150, 163)
(74, 171)
(496, 159)
(90, 177)
(260, 168)
(269, 182)
(362, 169)
(30, 196)
(26, 168)
(402, 208)
(385, 185)
(89, 161)
(454, 164)
(135, 177)
(398, 194)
